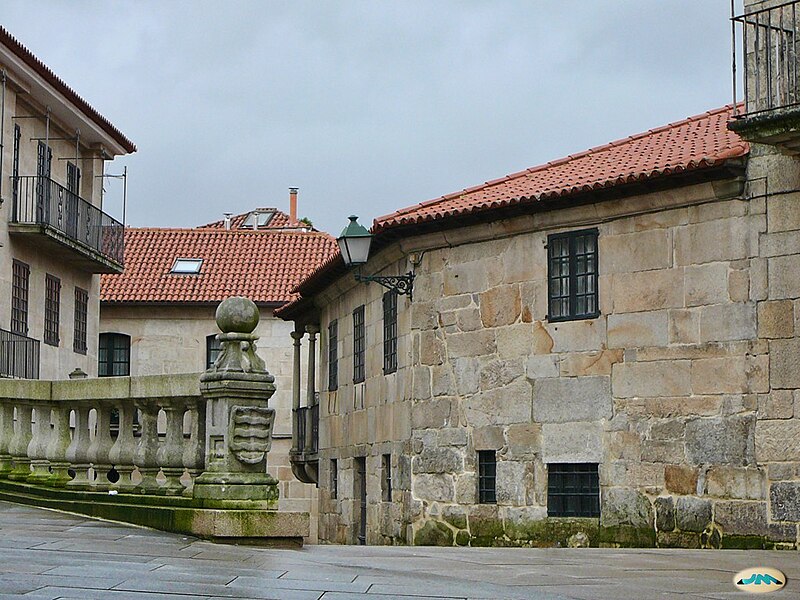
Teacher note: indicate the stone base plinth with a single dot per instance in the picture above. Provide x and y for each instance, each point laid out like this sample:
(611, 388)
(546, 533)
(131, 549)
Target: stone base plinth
(241, 522)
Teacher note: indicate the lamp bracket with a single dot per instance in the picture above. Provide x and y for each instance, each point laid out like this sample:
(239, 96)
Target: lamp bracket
(401, 284)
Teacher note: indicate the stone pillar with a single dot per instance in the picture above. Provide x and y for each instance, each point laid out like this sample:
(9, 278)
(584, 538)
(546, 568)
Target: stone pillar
(57, 448)
(297, 336)
(311, 386)
(19, 444)
(124, 448)
(170, 453)
(146, 458)
(37, 448)
(6, 435)
(194, 453)
(100, 447)
(239, 422)
(78, 451)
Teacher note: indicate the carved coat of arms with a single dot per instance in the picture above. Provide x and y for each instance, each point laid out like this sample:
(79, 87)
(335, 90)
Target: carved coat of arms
(250, 433)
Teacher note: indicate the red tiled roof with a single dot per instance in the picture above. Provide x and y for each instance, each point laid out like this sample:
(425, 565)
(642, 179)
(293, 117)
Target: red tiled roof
(694, 143)
(47, 74)
(263, 265)
(279, 220)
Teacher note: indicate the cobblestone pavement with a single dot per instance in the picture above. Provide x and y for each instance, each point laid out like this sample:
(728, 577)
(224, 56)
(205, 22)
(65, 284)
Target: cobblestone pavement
(45, 554)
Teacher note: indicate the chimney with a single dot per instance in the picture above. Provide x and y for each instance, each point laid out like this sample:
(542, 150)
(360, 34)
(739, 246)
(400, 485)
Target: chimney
(227, 220)
(293, 205)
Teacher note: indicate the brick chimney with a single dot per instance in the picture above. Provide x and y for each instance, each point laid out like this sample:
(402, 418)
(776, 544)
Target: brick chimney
(293, 205)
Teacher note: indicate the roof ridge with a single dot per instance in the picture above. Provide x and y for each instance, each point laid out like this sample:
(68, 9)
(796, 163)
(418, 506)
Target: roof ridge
(560, 161)
(47, 73)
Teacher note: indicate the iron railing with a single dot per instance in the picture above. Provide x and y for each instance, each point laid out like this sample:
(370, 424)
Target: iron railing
(41, 201)
(19, 356)
(300, 426)
(769, 46)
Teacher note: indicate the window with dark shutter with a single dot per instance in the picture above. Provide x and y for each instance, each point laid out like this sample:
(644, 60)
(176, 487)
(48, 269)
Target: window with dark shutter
(114, 355)
(573, 490)
(20, 275)
(572, 275)
(487, 476)
(213, 348)
(333, 355)
(52, 309)
(359, 345)
(81, 318)
(390, 332)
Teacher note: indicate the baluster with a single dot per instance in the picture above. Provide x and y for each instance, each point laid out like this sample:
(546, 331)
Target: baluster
(57, 448)
(6, 435)
(122, 452)
(78, 450)
(146, 450)
(99, 448)
(170, 454)
(19, 444)
(37, 447)
(194, 453)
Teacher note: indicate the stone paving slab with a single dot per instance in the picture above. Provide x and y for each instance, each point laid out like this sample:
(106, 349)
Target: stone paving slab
(46, 555)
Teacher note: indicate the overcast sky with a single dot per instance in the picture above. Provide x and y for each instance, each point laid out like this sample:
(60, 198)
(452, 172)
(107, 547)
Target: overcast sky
(367, 106)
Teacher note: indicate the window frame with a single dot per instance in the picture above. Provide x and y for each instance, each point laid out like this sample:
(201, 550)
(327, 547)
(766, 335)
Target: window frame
(110, 361)
(333, 355)
(186, 261)
(572, 277)
(334, 478)
(213, 349)
(560, 476)
(79, 344)
(52, 310)
(487, 477)
(20, 293)
(389, 332)
(359, 344)
(386, 477)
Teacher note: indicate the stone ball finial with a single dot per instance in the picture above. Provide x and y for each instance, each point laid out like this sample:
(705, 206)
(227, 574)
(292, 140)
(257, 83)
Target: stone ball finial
(237, 315)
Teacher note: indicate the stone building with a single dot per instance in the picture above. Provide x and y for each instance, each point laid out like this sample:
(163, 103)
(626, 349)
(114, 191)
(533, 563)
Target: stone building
(605, 344)
(55, 239)
(167, 296)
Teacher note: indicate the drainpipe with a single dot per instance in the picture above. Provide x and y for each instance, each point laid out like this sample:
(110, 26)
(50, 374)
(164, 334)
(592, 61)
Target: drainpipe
(312, 330)
(297, 336)
(2, 132)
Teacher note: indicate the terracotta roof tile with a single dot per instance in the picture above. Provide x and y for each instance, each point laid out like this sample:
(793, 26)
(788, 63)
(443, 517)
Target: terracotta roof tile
(280, 220)
(694, 143)
(698, 142)
(263, 265)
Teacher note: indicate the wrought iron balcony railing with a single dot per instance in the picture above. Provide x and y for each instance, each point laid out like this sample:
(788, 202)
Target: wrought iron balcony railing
(769, 45)
(307, 422)
(41, 201)
(19, 356)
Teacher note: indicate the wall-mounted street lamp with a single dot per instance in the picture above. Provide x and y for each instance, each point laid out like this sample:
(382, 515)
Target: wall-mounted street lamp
(354, 243)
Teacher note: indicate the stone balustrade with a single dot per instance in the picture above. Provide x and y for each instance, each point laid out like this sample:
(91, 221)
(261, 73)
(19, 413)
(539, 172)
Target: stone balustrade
(137, 434)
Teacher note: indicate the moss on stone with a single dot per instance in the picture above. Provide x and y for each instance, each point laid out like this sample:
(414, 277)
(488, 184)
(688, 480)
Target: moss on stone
(551, 532)
(746, 542)
(434, 533)
(485, 527)
(627, 536)
(462, 538)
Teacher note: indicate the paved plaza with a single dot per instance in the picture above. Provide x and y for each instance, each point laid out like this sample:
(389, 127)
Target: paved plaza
(45, 554)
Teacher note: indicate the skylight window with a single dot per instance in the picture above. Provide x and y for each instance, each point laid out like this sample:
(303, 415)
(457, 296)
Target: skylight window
(263, 219)
(187, 266)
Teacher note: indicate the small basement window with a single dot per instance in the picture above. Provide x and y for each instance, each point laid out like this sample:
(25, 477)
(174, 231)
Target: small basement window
(573, 490)
(190, 266)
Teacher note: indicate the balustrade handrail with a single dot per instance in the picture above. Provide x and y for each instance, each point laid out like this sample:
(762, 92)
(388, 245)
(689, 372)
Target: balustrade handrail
(19, 356)
(770, 51)
(46, 431)
(41, 201)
